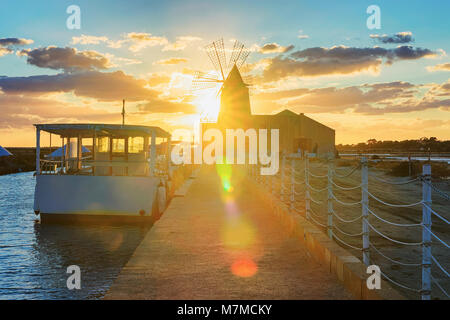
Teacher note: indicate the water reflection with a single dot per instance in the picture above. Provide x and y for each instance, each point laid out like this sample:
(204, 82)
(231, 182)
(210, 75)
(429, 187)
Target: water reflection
(99, 251)
(34, 257)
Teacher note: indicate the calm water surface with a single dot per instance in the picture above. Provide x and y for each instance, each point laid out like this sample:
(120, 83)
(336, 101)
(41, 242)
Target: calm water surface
(34, 257)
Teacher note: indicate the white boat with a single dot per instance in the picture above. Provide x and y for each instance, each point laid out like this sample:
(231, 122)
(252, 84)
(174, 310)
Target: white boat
(122, 180)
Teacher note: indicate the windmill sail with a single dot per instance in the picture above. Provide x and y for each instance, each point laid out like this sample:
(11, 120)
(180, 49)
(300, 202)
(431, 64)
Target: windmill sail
(216, 53)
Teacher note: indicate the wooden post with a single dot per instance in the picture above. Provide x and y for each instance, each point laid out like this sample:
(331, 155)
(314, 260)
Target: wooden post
(365, 210)
(426, 236)
(38, 151)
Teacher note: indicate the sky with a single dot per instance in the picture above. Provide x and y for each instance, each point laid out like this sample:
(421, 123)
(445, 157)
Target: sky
(315, 57)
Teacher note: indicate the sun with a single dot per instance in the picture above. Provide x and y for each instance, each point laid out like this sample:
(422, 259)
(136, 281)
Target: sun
(208, 103)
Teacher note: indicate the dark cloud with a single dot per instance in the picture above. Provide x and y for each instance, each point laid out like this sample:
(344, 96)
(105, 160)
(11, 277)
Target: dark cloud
(369, 99)
(105, 86)
(164, 106)
(67, 59)
(23, 111)
(320, 61)
(401, 37)
(274, 48)
(7, 42)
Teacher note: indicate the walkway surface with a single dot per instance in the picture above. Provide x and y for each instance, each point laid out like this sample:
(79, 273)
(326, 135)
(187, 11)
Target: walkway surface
(220, 242)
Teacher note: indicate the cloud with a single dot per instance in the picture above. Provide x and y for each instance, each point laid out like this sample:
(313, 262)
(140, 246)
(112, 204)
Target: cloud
(368, 99)
(165, 106)
(301, 35)
(171, 61)
(5, 51)
(141, 40)
(439, 67)
(339, 60)
(104, 86)
(400, 37)
(67, 59)
(22, 111)
(85, 39)
(156, 79)
(181, 43)
(7, 42)
(274, 48)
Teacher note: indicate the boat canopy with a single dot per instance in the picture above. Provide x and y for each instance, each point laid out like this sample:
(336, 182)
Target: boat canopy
(60, 152)
(4, 152)
(87, 130)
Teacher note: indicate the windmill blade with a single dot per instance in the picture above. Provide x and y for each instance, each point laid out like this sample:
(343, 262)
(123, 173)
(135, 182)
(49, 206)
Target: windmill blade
(238, 55)
(216, 53)
(204, 80)
(235, 53)
(242, 57)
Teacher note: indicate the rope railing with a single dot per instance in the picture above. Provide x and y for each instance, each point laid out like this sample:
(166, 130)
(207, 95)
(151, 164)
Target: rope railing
(300, 201)
(436, 214)
(440, 266)
(394, 261)
(396, 183)
(394, 223)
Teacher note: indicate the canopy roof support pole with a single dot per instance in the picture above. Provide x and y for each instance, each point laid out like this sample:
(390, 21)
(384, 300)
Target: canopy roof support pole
(79, 152)
(168, 155)
(63, 155)
(38, 150)
(153, 153)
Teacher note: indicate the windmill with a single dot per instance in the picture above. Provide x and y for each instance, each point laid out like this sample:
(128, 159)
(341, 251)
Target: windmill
(223, 68)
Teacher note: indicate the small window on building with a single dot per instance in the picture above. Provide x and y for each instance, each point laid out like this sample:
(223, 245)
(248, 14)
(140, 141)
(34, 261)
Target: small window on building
(135, 144)
(118, 145)
(102, 144)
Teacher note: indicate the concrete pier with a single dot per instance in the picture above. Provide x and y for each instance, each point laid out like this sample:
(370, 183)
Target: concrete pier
(218, 241)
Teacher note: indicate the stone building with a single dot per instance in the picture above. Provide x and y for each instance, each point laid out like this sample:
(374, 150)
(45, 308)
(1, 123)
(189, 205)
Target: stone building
(296, 131)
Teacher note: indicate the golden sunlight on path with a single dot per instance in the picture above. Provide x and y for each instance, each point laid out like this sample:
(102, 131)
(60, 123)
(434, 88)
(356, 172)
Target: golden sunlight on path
(218, 242)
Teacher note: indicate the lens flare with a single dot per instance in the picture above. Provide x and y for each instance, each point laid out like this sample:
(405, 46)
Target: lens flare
(244, 268)
(238, 234)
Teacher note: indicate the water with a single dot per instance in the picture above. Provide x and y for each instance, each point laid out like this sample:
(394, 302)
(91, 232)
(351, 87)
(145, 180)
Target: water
(34, 257)
(386, 156)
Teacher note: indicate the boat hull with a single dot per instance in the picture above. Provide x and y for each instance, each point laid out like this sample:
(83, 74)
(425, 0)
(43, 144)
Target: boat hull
(96, 198)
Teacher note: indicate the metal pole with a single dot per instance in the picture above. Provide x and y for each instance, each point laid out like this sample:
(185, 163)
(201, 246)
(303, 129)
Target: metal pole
(330, 199)
(63, 156)
(365, 211)
(38, 151)
(307, 195)
(169, 153)
(426, 236)
(153, 154)
(283, 168)
(292, 184)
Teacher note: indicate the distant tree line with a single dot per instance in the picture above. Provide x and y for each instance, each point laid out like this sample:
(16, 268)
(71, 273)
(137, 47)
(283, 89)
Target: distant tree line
(424, 144)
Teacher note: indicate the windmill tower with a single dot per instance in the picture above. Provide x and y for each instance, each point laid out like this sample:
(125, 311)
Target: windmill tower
(235, 111)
